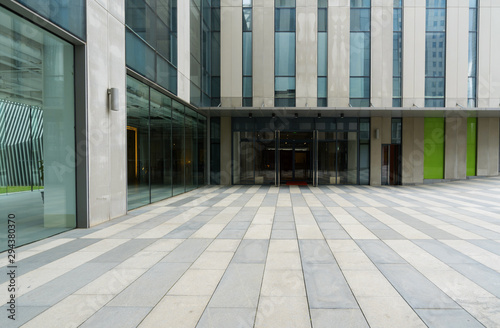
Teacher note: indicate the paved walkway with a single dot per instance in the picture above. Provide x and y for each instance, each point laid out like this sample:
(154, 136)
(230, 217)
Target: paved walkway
(259, 256)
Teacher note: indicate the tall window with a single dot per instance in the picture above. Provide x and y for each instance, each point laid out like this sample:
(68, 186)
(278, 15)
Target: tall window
(151, 40)
(247, 53)
(435, 53)
(359, 81)
(215, 50)
(284, 53)
(471, 90)
(322, 52)
(397, 52)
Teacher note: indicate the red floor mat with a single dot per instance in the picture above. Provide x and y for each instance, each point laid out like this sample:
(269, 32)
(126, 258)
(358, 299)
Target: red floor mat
(296, 183)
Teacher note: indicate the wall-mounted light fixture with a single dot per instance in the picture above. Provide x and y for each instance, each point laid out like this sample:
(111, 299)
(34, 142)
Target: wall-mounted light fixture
(319, 115)
(296, 115)
(377, 133)
(114, 99)
(250, 115)
(341, 115)
(273, 115)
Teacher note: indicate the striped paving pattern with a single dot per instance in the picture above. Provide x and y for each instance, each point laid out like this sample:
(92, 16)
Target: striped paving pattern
(261, 256)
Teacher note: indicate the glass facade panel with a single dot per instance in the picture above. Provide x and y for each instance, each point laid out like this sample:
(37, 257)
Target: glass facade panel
(397, 52)
(322, 20)
(284, 54)
(247, 53)
(215, 166)
(70, 15)
(161, 153)
(163, 140)
(360, 47)
(472, 66)
(359, 63)
(359, 87)
(37, 135)
(322, 87)
(435, 53)
(247, 87)
(433, 148)
(360, 20)
(247, 57)
(247, 19)
(284, 3)
(151, 40)
(322, 100)
(178, 155)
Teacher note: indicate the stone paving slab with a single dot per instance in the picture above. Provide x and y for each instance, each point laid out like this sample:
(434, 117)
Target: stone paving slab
(261, 256)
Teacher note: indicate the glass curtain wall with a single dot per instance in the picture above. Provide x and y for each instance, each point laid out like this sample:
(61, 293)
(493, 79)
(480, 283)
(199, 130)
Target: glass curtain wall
(165, 146)
(37, 136)
(70, 15)
(151, 40)
(215, 51)
(284, 53)
(215, 150)
(359, 62)
(397, 53)
(247, 53)
(472, 68)
(435, 53)
(322, 53)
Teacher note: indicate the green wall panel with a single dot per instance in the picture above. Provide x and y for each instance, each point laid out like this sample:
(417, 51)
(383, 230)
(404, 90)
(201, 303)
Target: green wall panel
(471, 145)
(434, 148)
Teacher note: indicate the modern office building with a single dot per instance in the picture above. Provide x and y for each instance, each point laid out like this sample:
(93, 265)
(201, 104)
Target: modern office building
(108, 105)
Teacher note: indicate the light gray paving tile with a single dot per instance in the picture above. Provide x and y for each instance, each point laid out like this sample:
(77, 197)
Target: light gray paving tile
(124, 251)
(298, 200)
(242, 200)
(21, 315)
(417, 290)
(448, 318)
(283, 234)
(333, 225)
(485, 277)
(489, 245)
(270, 200)
(443, 252)
(238, 225)
(231, 234)
(117, 316)
(239, 287)
(148, 289)
(345, 318)
(335, 234)
(374, 225)
(283, 218)
(284, 226)
(188, 251)
(327, 288)
(251, 251)
(315, 251)
(387, 234)
(130, 233)
(438, 234)
(245, 214)
(379, 252)
(56, 290)
(227, 318)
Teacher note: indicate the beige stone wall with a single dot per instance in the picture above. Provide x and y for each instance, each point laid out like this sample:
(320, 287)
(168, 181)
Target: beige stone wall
(455, 148)
(487, 146)
(412, 161)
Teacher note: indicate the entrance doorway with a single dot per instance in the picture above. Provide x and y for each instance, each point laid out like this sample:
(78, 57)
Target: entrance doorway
(391, 164)
(295, 157)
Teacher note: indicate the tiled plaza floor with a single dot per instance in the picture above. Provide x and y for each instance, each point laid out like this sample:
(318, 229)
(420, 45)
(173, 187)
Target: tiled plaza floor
(261, 256)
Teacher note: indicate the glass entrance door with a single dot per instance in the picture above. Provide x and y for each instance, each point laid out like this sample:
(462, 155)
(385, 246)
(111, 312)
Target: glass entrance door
(295, 157)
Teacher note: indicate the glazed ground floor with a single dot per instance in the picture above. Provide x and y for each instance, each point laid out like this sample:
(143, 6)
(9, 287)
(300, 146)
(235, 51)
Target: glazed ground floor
(376, 150)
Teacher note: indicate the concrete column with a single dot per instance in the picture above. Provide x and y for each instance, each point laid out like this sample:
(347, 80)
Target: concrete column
(383, 124)
(457, 52)
(488, 84)
(413, 150)
(107, 140)
(306, 68)
(381, 53)
(183, 51)
(339, 19)
(487, 146)
(263, 53)
(455, 148)
(413, 53)
(225, 150)
(231, 53)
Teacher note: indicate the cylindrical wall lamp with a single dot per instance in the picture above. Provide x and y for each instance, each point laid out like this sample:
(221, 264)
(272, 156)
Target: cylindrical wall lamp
(114, 99)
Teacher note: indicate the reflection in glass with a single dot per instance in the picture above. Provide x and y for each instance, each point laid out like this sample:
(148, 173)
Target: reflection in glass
(37, 137)
(243, 158)
(178, 148)
(161, 156)
(137, 143)
(190, 150)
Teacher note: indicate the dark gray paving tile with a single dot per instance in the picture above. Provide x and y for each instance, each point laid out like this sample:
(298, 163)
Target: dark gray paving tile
(21, 316)
(270, 200)
(239, 287)
(298, 200)
(242, 200)
(238, 225)
(251, 251)
(417, 290)
(485, 277)
(149, 288)
(117, 316)
(188, 251)
(315, 251)
(443, 252)
(333, 225)
(448, 318)
(56, 290)
(124, 251)
(379, 252)
(327, 288)
(387, 234)
(328, 318)
(284, 226)
(231, 234)
(489, 245)
(227, 318)
(335, 234)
